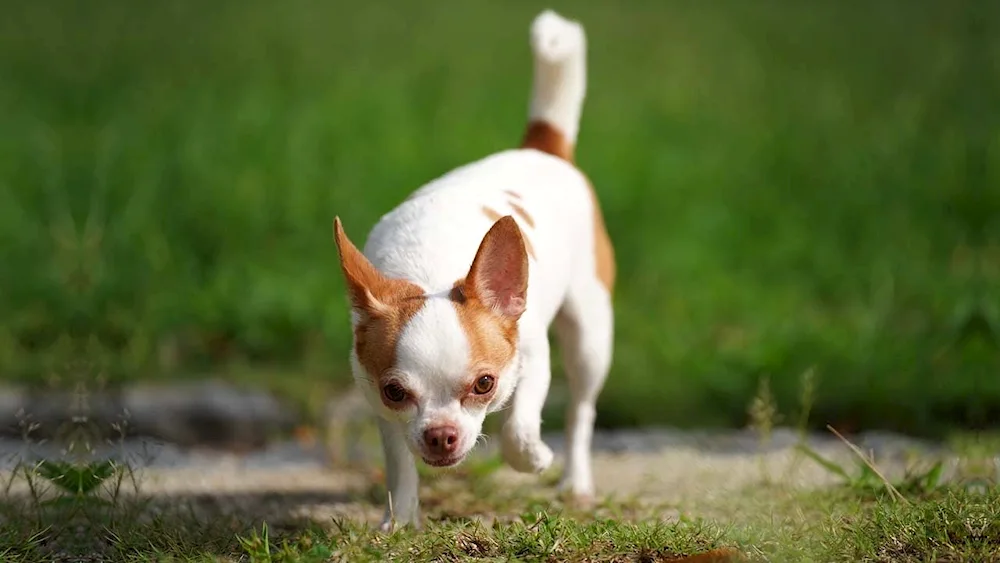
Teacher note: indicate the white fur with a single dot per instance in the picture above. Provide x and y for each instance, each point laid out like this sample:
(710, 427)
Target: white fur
(560, 82)
(431, 240)
(432, 361)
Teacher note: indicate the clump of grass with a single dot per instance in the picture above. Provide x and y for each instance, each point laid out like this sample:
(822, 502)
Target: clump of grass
(958, 527)
(867, 480)
(531, 537)
(763, 416)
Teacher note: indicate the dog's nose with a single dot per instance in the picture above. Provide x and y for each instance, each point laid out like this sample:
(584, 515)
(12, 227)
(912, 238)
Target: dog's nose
(441, 440)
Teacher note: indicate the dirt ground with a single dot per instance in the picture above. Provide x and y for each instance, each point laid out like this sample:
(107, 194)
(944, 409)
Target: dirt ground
(688, 471)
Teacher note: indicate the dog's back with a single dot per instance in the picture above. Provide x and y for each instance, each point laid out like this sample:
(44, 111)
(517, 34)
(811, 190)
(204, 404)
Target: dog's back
(431, 237)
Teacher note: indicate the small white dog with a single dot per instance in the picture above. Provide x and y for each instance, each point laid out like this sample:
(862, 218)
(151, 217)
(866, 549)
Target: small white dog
(457, 287)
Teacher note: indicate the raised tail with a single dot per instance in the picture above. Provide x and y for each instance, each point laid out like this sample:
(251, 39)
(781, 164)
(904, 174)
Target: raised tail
(559, 86)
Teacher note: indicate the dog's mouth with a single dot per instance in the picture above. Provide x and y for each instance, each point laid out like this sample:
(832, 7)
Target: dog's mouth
(443, 461)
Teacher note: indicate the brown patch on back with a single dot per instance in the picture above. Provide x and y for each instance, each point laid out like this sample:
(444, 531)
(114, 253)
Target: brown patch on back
(530, 249)
(523, 214)
(546, 138)
(494, 215)
(491, 214)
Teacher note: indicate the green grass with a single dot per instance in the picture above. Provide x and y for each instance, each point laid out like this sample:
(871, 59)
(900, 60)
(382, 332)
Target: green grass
(789, 186)
(470, 518)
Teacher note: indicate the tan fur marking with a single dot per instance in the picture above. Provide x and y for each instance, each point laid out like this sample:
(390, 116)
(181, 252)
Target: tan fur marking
(494, 216)
(546, 138)
(491, 213)
(604, 252)
(385, 305)
(492, 337)
(512, 194)
(491, 297)
(523, 214)
(530, 249)
(376, 338)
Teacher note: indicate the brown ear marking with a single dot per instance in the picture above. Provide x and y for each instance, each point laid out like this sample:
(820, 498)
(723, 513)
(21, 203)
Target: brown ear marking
(492, 337)
(386, 303)
(364, 282)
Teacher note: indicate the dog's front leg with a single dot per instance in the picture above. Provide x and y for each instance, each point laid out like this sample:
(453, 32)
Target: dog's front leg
(521, 442)
(401, 477)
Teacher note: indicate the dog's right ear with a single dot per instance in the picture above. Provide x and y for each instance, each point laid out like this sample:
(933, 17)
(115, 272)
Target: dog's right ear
(367, 288)
(498, 277)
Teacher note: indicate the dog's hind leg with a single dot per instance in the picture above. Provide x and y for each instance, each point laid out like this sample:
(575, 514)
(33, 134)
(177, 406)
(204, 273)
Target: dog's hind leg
(584, 328)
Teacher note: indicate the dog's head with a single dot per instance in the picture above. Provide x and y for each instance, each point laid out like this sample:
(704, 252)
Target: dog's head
(439, 363)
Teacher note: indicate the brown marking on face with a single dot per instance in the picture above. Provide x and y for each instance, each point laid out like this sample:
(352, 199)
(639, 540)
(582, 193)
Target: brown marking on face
(384, 304)
(376, 337)
(494, 215)
(512, 194)
(547, 138)
(523, 214)
(492, 336)
(491, 298)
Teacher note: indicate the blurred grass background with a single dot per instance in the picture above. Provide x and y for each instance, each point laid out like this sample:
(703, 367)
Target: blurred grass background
(789, 185)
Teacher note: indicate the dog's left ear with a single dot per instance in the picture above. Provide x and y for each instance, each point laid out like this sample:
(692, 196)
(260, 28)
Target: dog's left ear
(369, 291)
(498, 277)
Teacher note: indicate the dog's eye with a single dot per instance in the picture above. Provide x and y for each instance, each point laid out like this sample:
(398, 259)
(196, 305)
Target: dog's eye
(394, 393)
(484, 385)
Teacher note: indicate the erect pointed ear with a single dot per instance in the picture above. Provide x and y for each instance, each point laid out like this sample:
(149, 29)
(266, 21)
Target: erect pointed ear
(498, 277)
(364, 282)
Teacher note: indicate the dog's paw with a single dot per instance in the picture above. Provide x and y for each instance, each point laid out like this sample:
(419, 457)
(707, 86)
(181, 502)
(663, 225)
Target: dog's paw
(390, 525)
(576, 492)
(526, 456)
(392, 521)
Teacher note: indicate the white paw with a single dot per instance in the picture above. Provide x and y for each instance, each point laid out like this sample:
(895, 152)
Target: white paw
(580, 491)
(526, 455)
(391, 522)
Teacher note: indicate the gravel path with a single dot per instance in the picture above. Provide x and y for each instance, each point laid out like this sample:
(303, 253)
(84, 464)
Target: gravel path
(668, 466)
(662, 465)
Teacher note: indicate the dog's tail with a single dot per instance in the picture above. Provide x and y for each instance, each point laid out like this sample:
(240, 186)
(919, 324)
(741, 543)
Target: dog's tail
(559, 85)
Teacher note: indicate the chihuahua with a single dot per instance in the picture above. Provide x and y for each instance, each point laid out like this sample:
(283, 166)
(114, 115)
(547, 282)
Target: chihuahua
(453, 296)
